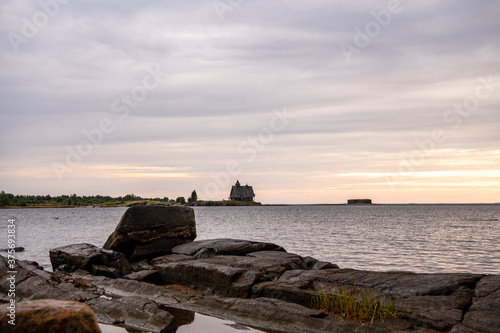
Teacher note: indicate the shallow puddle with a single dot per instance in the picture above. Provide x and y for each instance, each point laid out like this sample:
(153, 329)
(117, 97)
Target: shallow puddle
(199, 324)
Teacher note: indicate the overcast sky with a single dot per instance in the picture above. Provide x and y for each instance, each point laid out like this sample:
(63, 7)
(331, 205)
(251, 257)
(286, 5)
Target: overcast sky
(307, 101)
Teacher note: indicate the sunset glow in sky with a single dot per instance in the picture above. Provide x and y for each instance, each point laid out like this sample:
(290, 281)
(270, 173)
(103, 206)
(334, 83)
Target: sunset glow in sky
(308, 102)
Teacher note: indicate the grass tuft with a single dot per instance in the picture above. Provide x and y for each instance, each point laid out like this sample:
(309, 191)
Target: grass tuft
(356, 304)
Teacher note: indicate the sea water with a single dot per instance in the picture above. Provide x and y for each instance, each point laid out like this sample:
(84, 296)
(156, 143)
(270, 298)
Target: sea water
(418, 238)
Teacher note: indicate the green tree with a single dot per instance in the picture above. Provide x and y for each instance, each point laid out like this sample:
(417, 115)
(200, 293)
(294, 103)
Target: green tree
(181, 200)
(193, 197)
(4, 199)
(130, 197)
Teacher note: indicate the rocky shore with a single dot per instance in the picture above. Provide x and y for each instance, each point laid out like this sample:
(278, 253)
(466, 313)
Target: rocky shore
(152, 276)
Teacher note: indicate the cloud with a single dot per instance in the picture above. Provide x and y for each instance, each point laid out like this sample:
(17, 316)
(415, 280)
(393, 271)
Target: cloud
(222, 79)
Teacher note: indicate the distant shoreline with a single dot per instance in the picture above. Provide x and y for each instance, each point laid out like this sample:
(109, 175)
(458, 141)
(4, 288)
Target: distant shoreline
(258, 205)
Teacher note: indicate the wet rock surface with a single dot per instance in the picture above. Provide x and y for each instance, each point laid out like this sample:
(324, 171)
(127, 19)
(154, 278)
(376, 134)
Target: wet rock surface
(268, 289)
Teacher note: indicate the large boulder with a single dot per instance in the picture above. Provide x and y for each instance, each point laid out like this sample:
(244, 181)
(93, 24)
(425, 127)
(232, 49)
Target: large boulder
(149, 231)
(47, 316)
(90, 258)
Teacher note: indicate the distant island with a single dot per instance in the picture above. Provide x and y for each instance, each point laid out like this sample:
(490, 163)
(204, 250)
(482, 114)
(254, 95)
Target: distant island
(359, 201)
(9, 200)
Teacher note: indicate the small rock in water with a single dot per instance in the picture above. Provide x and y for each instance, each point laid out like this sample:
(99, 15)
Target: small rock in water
(16, 249)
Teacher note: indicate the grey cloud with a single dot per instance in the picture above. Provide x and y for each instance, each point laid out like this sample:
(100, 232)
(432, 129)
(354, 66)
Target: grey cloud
(223, 78)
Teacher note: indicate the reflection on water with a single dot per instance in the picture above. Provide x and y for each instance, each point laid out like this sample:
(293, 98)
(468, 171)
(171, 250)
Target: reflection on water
(204, 323)
(182, 317)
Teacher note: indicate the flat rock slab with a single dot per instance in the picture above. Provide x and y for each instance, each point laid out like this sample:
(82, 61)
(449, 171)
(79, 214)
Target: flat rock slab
(91, 258)
(484, 313)
(396, 284)
(123, 288)
(149, 276)
(224, 246)
(435, 301)
(47, 316)
(269, 265)
(209, 277)
(149, 231)
(133, 312)
(171, 258)
(227, 275)
(440, 313)
(32, 282)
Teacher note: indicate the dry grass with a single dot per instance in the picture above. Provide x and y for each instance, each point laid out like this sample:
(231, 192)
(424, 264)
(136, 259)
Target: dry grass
(356, 304)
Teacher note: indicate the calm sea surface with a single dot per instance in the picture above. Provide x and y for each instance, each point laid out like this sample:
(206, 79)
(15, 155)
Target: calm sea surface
(419, 238)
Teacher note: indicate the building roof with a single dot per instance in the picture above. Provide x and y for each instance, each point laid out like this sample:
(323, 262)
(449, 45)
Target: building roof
(239, 191)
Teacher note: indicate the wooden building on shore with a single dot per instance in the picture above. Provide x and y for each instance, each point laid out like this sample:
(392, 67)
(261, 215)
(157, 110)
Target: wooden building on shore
(241, 193)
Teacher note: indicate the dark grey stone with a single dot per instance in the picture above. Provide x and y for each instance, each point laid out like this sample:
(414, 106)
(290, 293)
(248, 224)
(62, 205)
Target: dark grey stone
(225, 246)
(86, 256)
(150, 231)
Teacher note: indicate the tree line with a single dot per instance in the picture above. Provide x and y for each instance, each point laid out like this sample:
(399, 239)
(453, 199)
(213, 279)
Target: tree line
(11, 200)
